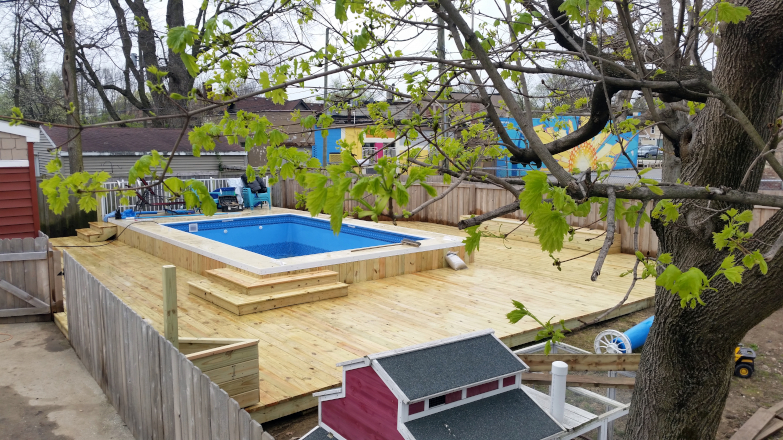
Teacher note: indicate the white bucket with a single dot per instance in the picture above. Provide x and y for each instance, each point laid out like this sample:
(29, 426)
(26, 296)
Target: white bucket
(455, 262)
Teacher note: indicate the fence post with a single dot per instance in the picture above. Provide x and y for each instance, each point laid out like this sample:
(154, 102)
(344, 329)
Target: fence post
(170, 330)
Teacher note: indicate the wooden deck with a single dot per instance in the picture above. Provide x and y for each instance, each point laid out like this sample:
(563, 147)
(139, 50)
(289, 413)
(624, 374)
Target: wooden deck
(300, 345)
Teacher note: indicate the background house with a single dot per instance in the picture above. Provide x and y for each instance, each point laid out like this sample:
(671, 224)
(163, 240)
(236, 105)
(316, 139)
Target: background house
(19, 215)
(116, 149)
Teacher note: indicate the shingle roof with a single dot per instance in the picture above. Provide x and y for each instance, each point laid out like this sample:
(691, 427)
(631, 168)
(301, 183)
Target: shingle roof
(318, 434)
(439, 368)
(511, 415)
(258, 104)
(119, 140)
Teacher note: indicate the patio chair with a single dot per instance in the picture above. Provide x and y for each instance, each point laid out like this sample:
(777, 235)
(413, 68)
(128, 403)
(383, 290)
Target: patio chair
(256, 193)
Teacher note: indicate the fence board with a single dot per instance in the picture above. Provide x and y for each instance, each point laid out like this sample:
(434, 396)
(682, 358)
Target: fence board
(479, 198)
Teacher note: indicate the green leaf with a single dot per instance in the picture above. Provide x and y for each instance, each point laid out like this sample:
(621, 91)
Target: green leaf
(340, 12)
(665, 258)
(668, 277)
(431, 191)
(54, 165)
(551, 228)
(190, 64)
(472, 240)
(536, 186)
(180, 37)
(744, 217)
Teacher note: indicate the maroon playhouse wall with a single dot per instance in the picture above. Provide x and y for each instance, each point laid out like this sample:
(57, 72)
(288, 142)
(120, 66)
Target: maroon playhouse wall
(19, 200)
(365, 393)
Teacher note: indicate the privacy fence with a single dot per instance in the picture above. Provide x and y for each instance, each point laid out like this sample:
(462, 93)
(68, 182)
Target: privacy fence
(30, 288)
(157, 392)
(479, 198)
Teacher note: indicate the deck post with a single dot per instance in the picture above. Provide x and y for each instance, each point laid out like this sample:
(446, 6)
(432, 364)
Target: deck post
(170, 330)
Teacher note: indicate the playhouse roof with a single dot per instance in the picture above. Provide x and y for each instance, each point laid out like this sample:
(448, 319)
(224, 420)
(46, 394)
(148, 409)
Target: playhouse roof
(318, 434)
(428, 369)
(508, 415)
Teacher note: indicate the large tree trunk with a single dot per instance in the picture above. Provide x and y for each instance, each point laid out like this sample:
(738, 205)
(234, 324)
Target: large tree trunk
(680, 393)
(69, 84)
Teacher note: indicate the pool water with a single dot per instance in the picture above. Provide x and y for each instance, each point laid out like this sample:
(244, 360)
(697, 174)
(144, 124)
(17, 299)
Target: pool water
(286, 236)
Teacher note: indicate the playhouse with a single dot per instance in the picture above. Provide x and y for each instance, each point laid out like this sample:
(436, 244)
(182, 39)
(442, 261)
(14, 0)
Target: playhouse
(466, 387)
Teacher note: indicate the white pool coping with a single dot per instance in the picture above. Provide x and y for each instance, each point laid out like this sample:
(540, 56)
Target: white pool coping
(263, 265)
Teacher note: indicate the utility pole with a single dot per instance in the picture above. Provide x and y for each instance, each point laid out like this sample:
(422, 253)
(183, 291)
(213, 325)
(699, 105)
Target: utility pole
(441, 51)
(326, 89)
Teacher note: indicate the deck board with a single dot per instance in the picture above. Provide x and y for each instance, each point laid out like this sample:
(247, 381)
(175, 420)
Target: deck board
(300, 345)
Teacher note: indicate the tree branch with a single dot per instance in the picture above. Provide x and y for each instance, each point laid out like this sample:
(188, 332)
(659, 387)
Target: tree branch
(610, 225)
(499, 212)
(451, 188)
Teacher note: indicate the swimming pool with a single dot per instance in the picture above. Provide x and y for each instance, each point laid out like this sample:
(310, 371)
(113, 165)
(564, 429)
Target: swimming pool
(288, 236)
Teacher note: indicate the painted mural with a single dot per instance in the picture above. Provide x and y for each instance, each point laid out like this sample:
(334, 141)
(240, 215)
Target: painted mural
(604, 148)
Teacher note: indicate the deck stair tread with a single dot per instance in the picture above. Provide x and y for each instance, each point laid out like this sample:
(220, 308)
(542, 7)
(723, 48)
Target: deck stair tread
(241, 304)
(102, 225)
(252, 285)
(98, 231)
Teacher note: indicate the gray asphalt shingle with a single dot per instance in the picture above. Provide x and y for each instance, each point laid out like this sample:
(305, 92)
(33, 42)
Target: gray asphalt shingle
(434, 370)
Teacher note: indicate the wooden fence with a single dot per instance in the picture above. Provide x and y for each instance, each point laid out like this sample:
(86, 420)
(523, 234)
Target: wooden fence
(156, 390)
(478, 198)
(29, 286)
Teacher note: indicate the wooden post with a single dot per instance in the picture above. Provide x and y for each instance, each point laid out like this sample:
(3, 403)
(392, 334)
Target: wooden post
(170, 305)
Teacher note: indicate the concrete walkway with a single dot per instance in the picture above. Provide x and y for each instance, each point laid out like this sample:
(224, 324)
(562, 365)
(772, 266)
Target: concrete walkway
(46, 393)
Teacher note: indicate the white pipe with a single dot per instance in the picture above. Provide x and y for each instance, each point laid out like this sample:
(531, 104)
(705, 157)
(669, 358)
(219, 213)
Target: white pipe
(558, 390)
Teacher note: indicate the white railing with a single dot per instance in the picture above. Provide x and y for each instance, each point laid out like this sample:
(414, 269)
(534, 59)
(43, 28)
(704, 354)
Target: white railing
(155, 195)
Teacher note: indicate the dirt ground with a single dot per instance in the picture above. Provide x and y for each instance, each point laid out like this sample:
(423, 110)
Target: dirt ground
(764, 389)
(45, 391)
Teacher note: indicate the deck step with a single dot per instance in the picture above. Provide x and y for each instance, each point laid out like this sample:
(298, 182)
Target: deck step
(242, 304)
(252, 285)
(98, 231)
(61, 320)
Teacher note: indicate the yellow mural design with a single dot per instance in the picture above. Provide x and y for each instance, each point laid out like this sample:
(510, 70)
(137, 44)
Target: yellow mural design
(599, 149)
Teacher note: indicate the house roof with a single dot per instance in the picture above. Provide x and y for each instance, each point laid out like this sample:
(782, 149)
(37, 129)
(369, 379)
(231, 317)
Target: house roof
(441, 366)
(509, 415)
(127, 140)
(257, 104)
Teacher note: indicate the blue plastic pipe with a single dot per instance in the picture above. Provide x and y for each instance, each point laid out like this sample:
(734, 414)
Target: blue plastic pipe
(638, 333)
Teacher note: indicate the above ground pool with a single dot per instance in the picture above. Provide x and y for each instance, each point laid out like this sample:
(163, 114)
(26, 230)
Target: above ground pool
(286, 236)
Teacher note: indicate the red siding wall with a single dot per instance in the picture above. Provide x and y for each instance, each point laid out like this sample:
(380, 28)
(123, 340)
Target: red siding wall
(367, 412)
(19, 200)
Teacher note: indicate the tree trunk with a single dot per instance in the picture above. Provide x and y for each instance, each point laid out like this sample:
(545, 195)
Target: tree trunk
(680, 393)
(69, 84)
(179, 79)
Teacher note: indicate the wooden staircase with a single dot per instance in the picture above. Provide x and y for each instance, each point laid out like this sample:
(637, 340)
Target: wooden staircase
(242, 294)
(98, 231)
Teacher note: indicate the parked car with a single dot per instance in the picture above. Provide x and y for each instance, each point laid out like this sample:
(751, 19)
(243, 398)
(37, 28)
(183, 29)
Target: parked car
(650, 152)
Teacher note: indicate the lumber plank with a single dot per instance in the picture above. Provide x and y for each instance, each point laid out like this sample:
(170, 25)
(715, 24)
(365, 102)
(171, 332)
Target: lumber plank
(25, 311)
(750, 429)
(226, 358)
(581, 381)
(583, 362)
(231, 372)
(774, 425)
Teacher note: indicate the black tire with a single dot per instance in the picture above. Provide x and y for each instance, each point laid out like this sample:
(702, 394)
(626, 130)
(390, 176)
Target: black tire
(743, 370)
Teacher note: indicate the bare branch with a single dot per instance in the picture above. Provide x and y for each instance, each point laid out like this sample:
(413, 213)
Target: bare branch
(499, 212)
(610, 225)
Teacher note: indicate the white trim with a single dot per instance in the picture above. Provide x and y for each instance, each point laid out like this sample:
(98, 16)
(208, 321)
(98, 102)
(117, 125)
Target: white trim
(439, 342)
(598, 422)
(464, 401)
(327, 392)
(339, 393)
(54, 146)
(362, 360)
(304, 437)
(14, 163)
(371, 140)
(526, 366)
(389, 382)
(332, 431)
(528, 391)
(470, 385)
(30, 134)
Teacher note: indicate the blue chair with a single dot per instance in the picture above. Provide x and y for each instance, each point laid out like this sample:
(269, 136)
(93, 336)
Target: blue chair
(253, 200)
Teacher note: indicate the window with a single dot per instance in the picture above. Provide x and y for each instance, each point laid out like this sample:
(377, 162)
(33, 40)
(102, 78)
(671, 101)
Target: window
(484, 388)
(438, 401)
